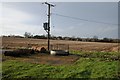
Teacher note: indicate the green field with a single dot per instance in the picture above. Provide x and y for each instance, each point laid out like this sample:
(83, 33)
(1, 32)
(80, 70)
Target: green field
(89, 65)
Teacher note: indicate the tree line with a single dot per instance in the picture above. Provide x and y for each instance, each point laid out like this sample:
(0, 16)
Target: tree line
(94, 39)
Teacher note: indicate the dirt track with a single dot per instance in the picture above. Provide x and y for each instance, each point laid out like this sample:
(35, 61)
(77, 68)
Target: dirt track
(53, 60)
(12, 43)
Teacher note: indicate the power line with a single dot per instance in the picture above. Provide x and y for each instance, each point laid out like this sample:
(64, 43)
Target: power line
(82, 19)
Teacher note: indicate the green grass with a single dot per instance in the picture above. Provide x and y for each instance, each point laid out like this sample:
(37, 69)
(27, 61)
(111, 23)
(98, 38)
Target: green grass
(101, 55)
(95, 53)
(83, 68)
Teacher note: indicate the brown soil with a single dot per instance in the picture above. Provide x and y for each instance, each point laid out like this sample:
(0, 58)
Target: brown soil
(13, 43)
(42, 58)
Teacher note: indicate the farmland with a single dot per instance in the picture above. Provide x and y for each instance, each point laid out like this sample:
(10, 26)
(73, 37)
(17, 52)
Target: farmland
(13, 43)
(87, 60)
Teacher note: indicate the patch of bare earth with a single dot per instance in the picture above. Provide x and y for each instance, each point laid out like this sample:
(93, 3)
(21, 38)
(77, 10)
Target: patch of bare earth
(42, 58)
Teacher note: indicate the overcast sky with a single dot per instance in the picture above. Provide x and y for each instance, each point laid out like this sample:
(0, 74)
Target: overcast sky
(21, 17)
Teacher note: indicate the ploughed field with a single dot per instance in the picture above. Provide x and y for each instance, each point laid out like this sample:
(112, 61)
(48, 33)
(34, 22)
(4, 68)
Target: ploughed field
(14, 43)
(86, 60)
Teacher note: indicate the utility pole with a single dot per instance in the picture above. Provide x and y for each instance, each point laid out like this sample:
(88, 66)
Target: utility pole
(48, 30)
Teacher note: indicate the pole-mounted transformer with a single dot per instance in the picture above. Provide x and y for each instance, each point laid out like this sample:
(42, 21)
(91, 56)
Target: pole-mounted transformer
(45, 26)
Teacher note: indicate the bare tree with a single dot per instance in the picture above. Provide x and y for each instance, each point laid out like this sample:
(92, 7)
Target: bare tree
(27, 35)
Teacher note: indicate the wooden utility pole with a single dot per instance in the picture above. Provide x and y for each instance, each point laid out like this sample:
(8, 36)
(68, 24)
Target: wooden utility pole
(49, 6)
